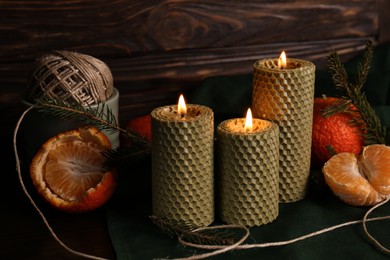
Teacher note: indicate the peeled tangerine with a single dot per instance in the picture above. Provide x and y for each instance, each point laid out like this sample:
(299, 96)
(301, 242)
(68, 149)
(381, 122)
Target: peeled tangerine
(362, 180)
(69, 171)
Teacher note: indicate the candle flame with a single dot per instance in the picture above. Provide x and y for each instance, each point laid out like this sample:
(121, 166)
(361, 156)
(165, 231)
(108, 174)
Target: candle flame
(248, 121)
(181, 106)
(282, 62)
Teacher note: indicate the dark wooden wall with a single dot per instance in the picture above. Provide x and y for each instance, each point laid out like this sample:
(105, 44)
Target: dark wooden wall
(156, 49)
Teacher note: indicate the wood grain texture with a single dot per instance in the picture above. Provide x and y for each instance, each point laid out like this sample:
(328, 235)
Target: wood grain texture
(157, 49)
(120, 28)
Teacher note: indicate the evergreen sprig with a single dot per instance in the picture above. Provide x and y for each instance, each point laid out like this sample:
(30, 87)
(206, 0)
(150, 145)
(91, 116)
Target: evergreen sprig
(103, 119)
(137, 147)
(341, 106)
(371, 126)
(186, 232)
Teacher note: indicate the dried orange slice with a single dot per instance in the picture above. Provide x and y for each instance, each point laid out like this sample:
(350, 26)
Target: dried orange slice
(362, 180)
(68, 170)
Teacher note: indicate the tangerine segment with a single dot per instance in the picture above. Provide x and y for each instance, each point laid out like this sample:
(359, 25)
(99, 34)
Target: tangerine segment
(68, 170)
(72, 168)
(375, 163)
(345, 179)
(93, 199)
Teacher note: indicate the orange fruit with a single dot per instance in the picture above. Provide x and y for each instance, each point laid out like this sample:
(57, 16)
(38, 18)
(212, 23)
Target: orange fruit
(68, 170)
(142, 125)
(335, 131)
(361, 180)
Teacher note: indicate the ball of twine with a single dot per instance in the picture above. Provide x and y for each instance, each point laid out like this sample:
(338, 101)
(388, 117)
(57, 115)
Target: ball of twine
(71, 77)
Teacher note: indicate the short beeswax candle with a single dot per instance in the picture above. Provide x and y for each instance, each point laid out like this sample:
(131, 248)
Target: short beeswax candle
(283, 92)
(248, 152)
(183, 163)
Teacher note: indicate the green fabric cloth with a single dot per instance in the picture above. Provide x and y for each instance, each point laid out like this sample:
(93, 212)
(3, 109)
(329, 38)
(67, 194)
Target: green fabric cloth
(135, 237)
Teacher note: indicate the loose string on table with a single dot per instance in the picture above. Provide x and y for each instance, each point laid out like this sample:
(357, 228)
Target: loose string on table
(18, 168)
(219, 249)
(370, 237)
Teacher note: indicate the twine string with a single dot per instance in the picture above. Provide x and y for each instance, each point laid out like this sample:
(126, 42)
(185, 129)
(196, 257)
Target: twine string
(88, 68)
(18, 168)
(71, 77)
(219, 249)
(370, 237)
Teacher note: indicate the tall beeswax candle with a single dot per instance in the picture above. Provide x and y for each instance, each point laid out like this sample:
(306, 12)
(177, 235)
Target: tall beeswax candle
(183, 163)
(249, 171)
(284, 94)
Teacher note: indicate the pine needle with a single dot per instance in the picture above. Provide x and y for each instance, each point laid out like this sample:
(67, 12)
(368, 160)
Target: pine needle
(364, 66)
(101, 117)
(138, 148)
(343, 105)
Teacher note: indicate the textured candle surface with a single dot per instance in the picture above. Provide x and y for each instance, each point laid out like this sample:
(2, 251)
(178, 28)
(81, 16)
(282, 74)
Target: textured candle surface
(237, 126)
(183, 164)
(248, 172)
(170, 113)
(286, 97)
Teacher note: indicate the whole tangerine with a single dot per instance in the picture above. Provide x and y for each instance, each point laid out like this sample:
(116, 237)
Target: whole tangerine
(335, 131)
(69, 171)
(142, 125)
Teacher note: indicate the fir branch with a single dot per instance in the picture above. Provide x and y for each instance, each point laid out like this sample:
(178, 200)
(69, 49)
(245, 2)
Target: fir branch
(136, 149)
(372, 129)
(343, 105)
(102, 117)
(339, 74)
(364, 66)
(185, 231)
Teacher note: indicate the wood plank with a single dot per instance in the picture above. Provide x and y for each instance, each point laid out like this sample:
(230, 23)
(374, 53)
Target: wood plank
(124, 28)
(156, 49)
(208, 63)
(149, 80)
